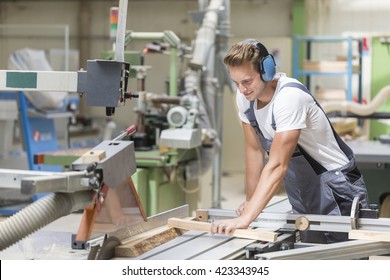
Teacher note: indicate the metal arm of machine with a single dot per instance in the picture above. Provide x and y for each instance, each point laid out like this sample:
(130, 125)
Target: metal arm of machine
(104, 83)
(313, 222)
(174, 42)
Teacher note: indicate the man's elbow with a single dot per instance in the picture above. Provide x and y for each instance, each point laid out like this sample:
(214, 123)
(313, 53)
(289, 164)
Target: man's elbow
(278, 168)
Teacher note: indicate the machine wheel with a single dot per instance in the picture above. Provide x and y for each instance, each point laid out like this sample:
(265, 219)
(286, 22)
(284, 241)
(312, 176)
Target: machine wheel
(385, 206)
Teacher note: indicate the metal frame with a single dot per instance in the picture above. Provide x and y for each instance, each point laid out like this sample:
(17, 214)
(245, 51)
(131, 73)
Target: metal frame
(356, 249)
(316, 222)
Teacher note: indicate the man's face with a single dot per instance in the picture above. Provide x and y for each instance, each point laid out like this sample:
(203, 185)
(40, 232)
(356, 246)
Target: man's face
(247, 80)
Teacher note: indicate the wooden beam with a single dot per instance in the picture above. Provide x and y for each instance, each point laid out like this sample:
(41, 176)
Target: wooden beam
(93, 156)
(369, 235)
(202, 215)
(206, 227)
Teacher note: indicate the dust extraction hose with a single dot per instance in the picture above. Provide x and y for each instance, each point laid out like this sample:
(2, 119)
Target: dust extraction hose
(357, 108)
(41, 213)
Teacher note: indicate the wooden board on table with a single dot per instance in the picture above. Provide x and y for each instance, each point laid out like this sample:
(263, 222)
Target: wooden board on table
(369, 235)
(206, 227)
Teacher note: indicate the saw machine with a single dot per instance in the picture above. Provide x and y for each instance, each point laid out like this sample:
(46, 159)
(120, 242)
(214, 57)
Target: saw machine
(274, 235)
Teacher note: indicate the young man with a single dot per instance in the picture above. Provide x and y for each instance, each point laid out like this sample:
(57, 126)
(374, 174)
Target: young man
(281, 118)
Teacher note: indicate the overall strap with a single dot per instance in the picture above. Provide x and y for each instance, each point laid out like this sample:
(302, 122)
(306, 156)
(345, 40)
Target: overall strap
(250, 114)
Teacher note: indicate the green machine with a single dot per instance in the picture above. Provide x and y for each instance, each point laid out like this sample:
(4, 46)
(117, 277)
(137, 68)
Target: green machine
(161, 181)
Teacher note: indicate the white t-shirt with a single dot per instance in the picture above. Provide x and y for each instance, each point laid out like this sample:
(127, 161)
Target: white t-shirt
(295, 109)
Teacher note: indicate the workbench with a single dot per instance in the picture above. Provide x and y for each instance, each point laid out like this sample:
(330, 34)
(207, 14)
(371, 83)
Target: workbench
(276, 218)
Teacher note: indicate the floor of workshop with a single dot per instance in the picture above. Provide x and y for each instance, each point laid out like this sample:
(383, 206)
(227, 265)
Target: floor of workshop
(232, 189)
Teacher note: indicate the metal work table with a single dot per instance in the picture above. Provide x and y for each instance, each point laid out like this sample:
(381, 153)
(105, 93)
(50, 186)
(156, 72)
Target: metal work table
(370, 151)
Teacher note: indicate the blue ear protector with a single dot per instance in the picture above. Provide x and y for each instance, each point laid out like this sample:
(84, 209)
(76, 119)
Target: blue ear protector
(267, 62)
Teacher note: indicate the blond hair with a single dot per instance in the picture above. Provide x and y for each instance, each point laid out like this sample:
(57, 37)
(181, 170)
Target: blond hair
(242, 53)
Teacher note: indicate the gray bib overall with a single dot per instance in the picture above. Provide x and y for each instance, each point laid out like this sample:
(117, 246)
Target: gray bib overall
(311, 189)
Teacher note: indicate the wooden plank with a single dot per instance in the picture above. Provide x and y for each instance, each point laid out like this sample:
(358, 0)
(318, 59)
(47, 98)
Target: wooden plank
(202, 215)
(93, 156)
(345, 125)
(206, 227)
(146, 241)
(384, 211)
(330, 94)
(369, 235)
(328, 66)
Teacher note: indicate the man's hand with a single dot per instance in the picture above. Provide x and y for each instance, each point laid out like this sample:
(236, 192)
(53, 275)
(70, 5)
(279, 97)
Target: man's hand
(228, 226)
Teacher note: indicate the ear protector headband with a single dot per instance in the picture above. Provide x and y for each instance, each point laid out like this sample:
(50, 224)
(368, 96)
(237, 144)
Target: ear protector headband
(267, 62)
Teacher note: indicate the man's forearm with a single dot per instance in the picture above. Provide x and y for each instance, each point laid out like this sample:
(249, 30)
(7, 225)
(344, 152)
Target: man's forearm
(266, 188)
(254, 167)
